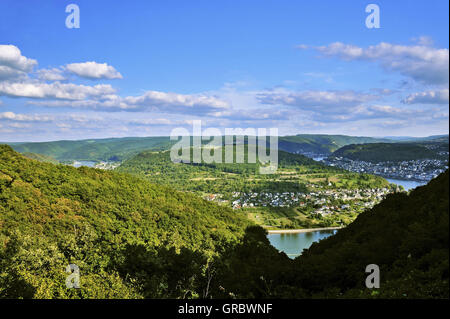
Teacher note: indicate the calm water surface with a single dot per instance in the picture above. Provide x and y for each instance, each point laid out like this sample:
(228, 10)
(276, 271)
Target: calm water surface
(293, 244)
(407, 185)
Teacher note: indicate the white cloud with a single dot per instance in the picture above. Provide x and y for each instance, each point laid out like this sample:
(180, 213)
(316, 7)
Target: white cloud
(152, 121)
(176, 102)
(13, 64)
(424, 40)
(20, 125)
(262, 114)
(93, 70)
(315, 99)
(428, 97)
(53, 74)
(193, 104)
(11, 56)
(55, 90)
(15, 70)
(420, 62)
(394, 124)
(384, 91)
(11, 116)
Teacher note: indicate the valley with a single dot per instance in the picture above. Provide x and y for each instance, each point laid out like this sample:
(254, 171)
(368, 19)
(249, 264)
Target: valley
(301, 194)
(135, 225)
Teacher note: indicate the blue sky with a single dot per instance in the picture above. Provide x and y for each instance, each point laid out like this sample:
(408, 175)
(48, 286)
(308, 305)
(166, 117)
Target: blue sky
(142, 68)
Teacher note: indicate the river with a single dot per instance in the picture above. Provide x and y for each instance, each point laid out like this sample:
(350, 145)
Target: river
(407, 185)
(293, 243)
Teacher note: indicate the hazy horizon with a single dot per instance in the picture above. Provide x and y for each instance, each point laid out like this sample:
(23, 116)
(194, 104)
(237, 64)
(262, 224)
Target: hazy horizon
(121, 137)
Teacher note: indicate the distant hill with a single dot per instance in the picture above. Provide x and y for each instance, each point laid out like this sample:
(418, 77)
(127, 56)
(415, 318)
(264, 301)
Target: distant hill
(118, 149)
(321, 143)
(395, 152)
(435, 138)
(111, 149)
(407, 236)
(231, 184)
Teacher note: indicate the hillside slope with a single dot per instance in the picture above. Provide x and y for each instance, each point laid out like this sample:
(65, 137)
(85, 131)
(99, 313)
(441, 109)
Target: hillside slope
(117, 149)
(227, 178)
(134, 239)
(121, 148)
(222, 177)
(321, 143)
(40, 157)
(95, 149)
(55, 215)
(395, 152)
(407, 236)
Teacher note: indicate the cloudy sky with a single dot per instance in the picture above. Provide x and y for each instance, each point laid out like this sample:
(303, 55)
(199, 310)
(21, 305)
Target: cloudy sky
(141, 68)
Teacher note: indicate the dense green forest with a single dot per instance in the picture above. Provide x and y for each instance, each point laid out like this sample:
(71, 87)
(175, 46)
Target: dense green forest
(322, 143)
(110, 149)
(134, 239)
(40, 157)
(54, 215)
(214, 177)
(241, 177)
(227, 183)
(394, 152)
(118, 149)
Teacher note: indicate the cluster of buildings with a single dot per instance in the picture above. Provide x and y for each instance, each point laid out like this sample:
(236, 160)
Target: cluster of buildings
(107, 165)
(100, 165)
(418, 170)
(328, 202)
(322, 202)
(264, 199)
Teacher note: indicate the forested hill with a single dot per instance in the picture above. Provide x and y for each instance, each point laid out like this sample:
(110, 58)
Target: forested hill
(154, 161)
(40, 157)
(227, 178)
(112, 149)
(395, 152)
(321, 143)
(55, 215)
(117, 149)
(133, 239)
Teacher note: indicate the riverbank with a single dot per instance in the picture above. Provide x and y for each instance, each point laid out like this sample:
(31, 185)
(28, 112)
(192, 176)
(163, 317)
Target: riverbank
(304, 230)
